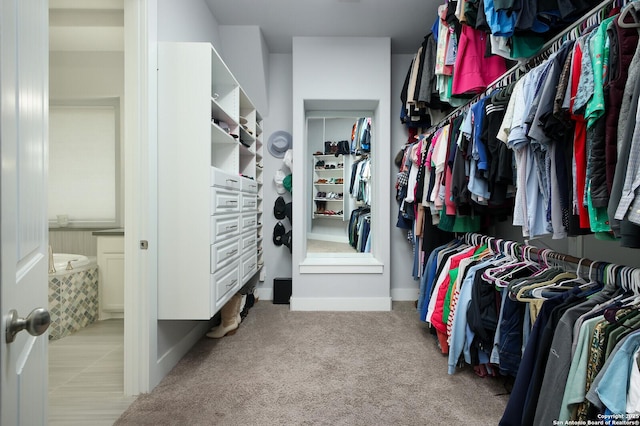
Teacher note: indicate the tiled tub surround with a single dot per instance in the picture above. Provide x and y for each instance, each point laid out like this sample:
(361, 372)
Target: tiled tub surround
(73, 299)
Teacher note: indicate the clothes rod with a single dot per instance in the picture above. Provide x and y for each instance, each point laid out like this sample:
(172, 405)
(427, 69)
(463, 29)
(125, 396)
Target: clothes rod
(549, 44)
(520, 65)
(528, 250)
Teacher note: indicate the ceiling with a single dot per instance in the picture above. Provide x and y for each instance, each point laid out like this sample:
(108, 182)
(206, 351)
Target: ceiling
(405, 21)
(97, 25)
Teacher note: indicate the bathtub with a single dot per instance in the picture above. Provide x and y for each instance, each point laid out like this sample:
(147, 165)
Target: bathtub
(61, 261)
(73, 294)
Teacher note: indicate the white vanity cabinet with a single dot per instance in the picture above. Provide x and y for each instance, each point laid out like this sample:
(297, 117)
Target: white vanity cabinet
(208, 150)
(110, 259)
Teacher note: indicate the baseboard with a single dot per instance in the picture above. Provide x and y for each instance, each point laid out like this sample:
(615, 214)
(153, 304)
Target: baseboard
(340, 303)
(404, 294)
(265, 293)
(177, 351)
(397, 294)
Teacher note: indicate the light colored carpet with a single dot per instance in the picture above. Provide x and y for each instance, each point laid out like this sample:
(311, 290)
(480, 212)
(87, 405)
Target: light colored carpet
(320, 368)
(319, 246)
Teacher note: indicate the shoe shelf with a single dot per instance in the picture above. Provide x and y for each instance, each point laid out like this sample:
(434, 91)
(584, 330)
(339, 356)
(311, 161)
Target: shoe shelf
(317, 215)
(328, 186)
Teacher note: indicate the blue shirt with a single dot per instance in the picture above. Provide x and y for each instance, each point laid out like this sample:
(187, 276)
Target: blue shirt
(479, 147)
(610, 389)
(501, 22)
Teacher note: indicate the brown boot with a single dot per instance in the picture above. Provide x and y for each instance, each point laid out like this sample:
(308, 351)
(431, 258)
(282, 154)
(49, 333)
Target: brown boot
(229, 315)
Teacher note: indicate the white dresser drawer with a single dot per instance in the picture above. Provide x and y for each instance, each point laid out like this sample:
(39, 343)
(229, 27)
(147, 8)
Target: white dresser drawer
(224, 227)
(226, 280)
(223, 179)
(224, 201)
(249, 266)
(223, 253)
(249, 202)
(249, 221)
(249, 185)
(249, 240)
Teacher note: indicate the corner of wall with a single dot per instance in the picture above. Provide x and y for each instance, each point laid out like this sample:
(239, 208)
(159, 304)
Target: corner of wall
(247, 56)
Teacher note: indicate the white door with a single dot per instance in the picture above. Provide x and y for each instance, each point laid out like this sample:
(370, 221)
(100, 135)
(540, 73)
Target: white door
(24, 66)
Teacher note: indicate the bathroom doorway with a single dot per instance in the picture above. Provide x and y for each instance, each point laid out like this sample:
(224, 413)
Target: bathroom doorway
(86, 90)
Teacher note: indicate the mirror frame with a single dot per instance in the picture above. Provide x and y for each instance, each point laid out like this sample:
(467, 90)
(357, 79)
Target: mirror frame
(337, 262)
(350, 116)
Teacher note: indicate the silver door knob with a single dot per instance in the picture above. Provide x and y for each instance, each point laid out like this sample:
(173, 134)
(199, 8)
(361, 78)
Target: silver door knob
(35, 323)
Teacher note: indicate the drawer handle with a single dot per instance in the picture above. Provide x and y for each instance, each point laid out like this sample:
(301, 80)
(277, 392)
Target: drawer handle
(232, 283)
(232, 202)
(232, 252)
(232, 180)
(252, 266)
(232, 227)
(252, 242)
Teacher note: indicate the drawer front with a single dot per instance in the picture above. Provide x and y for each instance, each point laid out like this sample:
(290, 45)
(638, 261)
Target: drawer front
(223, 201)
(249, 185)
(224, 227)
(249, 202)
(249, 240)
(226, 280)
(223, 179)
(223, 253)
(249, 221)
(249, 266)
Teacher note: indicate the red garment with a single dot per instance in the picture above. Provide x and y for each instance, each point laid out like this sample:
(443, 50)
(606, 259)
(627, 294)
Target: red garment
(438, 311)
(579, 141)
(472, 71)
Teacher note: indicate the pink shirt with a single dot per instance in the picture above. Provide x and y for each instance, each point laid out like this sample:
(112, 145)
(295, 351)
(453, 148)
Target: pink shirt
(472, 72)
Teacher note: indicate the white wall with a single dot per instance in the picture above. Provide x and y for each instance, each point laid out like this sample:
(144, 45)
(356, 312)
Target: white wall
(323, 73)
(188, 20)
(403, 286)
(185, 20)
(277, 259)
(247, 56)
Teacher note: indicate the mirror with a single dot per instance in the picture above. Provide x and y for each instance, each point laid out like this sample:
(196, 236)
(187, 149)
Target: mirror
(339, 184)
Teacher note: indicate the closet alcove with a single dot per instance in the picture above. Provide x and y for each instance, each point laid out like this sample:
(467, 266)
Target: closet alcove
(326, 85)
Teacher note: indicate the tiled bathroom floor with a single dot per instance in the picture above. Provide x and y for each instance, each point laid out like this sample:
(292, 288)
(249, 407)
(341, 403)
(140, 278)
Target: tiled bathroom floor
(86, 376)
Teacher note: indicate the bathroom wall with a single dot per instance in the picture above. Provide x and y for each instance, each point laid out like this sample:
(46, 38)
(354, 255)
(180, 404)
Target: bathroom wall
(73, 241)
(85, 75)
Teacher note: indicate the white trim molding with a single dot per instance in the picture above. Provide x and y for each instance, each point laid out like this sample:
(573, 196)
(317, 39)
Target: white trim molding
(340, 303)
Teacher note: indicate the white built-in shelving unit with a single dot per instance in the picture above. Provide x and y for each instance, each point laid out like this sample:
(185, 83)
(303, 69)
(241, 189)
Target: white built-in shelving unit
(328, 186)
(210, 183)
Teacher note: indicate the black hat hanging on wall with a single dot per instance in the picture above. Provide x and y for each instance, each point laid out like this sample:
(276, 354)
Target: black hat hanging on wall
(279, 142)
(280, 208)
(278, 233)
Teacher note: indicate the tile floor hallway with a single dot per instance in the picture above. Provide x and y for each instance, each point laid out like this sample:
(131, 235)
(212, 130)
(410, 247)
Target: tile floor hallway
(86, 376)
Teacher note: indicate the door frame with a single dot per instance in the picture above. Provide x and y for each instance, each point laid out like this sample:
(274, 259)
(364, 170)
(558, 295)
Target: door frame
(140, 212)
